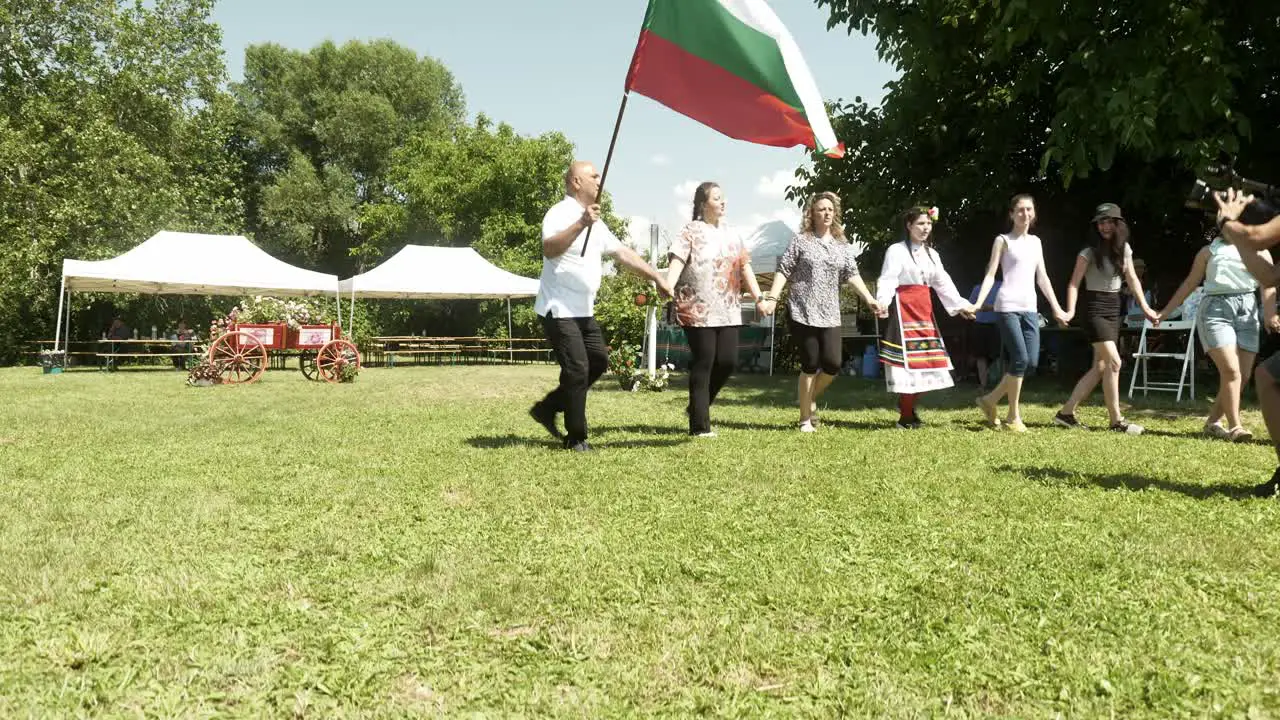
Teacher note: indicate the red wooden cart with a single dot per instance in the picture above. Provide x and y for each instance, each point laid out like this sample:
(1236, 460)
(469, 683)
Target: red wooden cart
(241, 353)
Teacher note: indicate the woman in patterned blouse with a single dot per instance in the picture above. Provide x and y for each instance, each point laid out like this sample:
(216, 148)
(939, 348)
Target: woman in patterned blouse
(709, 265)
(816, 263)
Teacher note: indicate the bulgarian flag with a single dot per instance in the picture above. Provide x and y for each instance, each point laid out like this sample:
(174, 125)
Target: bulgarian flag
(731, 65)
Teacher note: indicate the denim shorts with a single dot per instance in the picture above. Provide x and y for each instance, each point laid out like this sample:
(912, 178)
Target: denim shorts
(1229, 320)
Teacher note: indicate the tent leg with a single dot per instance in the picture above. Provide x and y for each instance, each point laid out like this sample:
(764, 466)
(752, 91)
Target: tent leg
(57, 331)
(773, 326)
(653, 310)
(511, 343)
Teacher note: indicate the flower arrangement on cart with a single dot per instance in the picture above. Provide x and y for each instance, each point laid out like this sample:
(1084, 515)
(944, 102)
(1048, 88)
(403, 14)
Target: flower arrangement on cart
(261, 325)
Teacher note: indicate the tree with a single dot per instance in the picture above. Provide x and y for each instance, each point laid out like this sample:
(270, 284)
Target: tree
(486, 187)
(112, 126)
(1077, 103)
(317, 132)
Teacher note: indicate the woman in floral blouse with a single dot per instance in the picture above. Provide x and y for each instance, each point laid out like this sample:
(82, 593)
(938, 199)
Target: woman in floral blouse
(817, 262)
(709, 265)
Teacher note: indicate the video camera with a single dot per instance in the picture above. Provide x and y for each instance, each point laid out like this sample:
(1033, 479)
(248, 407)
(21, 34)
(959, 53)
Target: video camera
(1260, 210)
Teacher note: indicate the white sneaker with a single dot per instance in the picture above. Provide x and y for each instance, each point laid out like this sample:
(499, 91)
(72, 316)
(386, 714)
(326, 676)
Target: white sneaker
(1215, 430)
(807, 427)
(707, 434)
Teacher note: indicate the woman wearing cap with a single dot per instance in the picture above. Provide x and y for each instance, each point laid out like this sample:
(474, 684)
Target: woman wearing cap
(1227, 323)
(817, 262)
(1102, 265)
(1020, 257)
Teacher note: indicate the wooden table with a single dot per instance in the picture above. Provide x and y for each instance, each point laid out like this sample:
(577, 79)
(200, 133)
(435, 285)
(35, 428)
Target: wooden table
(454, 349)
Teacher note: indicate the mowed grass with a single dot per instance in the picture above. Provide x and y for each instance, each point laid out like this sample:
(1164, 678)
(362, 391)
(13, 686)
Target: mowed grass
(412, 544)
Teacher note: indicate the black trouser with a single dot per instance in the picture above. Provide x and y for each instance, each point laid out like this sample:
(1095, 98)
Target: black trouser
(715, 353)
(819, 348)
(583, 357)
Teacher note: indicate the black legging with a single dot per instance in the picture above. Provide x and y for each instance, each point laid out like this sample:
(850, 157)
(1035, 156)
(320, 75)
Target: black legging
(715, 352)
(819, 348)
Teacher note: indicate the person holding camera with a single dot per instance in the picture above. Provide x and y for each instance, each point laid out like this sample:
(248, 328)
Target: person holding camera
(1103, 266)
(1253, 228)
(1227, 323)
(709, 266)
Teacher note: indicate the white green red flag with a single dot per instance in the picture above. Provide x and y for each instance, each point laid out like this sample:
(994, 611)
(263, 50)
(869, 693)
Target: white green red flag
(731, 65)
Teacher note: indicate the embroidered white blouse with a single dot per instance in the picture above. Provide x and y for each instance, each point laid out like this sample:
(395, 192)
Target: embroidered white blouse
(910, 264)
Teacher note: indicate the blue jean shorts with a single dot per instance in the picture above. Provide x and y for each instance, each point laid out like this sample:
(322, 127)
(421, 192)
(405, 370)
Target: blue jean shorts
(1229, 320)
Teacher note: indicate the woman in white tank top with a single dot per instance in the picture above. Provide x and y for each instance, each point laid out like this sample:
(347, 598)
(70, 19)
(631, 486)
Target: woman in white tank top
(1019, 256)
(1228, 328)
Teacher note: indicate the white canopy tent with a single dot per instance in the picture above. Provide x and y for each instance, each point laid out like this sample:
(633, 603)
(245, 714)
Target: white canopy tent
(426, 272)
(179, 263)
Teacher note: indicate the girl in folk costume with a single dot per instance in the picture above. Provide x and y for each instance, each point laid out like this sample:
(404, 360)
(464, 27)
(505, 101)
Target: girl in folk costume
(1102, 266)
(912, 350)
(1020, 258)
(709, 266)
(817, 262)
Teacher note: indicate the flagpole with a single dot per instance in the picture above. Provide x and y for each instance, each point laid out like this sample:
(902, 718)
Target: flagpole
(608, 158)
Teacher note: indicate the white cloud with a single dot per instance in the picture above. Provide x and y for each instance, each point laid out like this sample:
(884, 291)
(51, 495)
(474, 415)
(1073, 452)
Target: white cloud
(684, 211)
(638, 233)
(774, 186)
(685, 189)
(661, 160)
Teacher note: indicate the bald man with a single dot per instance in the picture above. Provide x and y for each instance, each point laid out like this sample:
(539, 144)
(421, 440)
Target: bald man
(567, 297)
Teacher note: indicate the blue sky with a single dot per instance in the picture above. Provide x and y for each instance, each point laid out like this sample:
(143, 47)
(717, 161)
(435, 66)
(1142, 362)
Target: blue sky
(543, 65)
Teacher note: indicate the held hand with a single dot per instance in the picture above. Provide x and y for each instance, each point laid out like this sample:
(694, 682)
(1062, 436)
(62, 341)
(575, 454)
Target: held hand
(590, 215)
(877, 309)
(1159, 318)
(964, 313)
(767, 307)
(1152, 316)
(1062, 318)
(1069, 316)
(1273, 324)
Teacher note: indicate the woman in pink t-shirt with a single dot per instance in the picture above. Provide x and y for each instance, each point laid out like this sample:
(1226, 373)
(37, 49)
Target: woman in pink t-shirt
(1020, 258)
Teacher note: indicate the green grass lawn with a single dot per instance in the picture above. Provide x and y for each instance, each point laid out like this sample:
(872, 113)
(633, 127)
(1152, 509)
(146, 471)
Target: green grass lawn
(413, 544)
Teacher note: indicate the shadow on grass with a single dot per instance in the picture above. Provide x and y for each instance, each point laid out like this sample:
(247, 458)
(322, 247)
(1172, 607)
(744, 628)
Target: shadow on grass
(497, 442)
(1128, 481)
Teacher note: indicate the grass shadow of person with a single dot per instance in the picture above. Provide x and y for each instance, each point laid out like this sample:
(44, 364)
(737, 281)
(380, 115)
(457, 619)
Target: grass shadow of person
(510, 440)
(1128, 481)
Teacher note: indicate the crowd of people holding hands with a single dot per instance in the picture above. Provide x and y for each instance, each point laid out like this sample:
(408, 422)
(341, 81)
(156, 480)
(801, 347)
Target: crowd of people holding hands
(710, 269)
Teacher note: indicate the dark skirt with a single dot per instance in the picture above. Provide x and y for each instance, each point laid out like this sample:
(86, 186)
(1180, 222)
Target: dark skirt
(1101, 320)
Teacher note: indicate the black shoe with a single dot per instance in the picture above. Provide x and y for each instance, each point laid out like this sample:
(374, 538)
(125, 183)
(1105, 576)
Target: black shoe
(1067, 421)
(580, 446)
(1269, 488)
(911, 423)
(916, 424)
(547, 419)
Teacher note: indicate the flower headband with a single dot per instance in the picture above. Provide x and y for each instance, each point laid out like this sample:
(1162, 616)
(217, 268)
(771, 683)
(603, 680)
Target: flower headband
(932, 213)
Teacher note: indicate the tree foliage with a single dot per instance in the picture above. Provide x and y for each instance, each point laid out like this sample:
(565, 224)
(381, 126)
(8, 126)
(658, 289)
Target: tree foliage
(317, 134)
(1078, 103)
(112, 126)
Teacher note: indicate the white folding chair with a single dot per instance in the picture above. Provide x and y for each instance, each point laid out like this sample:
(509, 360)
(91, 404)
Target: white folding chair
(1183, 319)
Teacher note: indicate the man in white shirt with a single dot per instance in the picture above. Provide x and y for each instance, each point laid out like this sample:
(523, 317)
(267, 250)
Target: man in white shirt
(567, 297)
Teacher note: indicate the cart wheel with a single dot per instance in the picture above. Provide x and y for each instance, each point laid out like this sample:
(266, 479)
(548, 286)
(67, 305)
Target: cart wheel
(334, 358)
(239, 357)
(307, 363)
